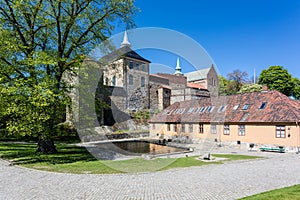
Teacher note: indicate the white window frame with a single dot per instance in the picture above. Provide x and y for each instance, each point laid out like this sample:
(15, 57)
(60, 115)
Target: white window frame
(280, 131)
(241, 130)
(226, 130)
(213, 129)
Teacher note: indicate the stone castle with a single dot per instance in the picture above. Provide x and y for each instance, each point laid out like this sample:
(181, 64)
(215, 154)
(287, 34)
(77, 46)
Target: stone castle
(132, 88)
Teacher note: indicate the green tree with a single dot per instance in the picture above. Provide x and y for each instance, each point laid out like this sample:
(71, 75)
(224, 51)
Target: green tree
(223, 83)
(40, 40)
(277, 78)
(296, 90)
(250, 88)
(237, 78)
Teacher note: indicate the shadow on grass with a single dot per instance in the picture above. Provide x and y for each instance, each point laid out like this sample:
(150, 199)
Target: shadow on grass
(26, 154)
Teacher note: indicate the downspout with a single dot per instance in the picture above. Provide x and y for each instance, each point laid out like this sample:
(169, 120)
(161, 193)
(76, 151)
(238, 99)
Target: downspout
(298, 148)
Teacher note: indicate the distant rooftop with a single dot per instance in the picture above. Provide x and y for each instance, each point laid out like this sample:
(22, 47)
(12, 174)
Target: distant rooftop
(197, 75)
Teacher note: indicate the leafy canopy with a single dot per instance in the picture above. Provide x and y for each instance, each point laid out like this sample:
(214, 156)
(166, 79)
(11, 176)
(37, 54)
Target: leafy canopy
(40, 40)
(277, 78)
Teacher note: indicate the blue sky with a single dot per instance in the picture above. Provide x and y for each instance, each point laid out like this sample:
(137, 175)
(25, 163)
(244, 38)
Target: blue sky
(237, 34)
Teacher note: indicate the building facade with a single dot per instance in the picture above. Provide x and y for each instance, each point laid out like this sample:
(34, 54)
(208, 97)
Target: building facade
(266, 117)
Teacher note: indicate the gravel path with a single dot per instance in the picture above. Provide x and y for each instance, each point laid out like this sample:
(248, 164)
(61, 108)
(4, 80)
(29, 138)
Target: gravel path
(231, 180)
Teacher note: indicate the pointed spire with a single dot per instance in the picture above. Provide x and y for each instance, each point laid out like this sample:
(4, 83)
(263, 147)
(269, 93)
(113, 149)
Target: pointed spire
(125, 40)
(178, 68)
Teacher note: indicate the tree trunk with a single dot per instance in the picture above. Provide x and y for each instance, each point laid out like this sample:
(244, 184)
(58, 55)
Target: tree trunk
(46, 146)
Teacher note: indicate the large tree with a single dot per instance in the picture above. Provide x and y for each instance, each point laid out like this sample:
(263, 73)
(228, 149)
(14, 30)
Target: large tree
(40, 40)
(236, 80)
(277, 78)
(296, 90)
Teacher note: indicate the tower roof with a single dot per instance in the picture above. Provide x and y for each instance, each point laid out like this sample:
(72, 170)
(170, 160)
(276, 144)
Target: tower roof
(125, 41)
(178, 68)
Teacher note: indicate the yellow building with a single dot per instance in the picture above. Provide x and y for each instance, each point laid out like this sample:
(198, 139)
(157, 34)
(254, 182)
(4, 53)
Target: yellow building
(263, 118)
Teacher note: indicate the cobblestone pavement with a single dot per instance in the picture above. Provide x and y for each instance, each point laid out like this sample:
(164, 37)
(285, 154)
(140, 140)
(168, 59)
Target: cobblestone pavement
(231, 180)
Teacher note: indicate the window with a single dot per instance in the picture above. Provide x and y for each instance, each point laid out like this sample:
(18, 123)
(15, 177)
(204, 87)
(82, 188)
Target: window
(183, 128)
(246, 106)
(137, 65)
(106, 80)
(130, 80)
(226, 130)
(142, 81)
(280, 131)
(201, 129)
(113, 81)
(191, 128)
(143, 67)
(130, 65)
(235, 107)
(263, 105)
(175, 127)
(181, 111)
(203, 109)
(169, 127)
(213, 129)
(190, 110)
(222, 108)
(210, 108)
(241, 129)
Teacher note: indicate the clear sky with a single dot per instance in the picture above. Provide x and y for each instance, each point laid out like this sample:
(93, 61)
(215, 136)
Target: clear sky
(237, 34)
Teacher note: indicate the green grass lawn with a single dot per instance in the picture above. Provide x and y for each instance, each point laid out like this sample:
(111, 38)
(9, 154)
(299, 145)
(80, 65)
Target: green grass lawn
(73, 159)
(288, 193)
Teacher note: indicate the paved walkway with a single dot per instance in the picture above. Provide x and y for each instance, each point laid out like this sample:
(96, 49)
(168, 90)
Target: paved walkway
(231, 180)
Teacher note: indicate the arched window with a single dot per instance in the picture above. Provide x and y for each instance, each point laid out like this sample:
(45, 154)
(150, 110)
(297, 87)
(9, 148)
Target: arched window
(106, 80)
(130, 80)
(142, 81)
(113, 81)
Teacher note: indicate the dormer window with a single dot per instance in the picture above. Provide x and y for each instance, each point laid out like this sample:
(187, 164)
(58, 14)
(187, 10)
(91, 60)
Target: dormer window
(246, 106)
(222, 108)
(203, 109)
(210, 108)
(235, 107)
(190, 110)
(263, 105)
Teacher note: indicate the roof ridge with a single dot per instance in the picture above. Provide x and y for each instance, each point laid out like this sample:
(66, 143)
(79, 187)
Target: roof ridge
(283, 98)
(206, 68)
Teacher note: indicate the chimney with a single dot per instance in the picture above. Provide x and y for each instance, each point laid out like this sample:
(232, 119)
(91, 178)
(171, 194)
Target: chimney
(264, 88)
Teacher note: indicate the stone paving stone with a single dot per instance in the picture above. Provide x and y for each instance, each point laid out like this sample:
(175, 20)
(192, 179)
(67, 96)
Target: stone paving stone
(230, 180)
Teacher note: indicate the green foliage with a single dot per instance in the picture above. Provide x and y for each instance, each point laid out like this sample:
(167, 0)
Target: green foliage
(141, 115)
(277, 78)
(223, 83)
(40, 42)
(296, 90)
(250, 88)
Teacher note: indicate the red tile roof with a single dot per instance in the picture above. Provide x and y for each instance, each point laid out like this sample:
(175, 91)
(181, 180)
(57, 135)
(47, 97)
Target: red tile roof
(196, 85)
(278, 108)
